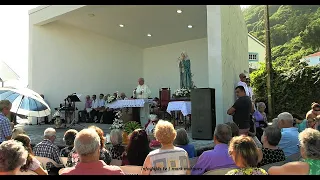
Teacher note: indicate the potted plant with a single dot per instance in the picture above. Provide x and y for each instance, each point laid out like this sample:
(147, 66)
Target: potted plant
(130, 126)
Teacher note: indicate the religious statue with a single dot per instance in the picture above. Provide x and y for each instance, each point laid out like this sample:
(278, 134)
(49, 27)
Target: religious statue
(185, 71)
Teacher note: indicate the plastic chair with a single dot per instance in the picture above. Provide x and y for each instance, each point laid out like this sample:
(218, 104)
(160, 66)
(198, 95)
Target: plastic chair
(45, 160)
(64, 161)
(26, 173)
(131, 170)
(116, 162)
(222, 171)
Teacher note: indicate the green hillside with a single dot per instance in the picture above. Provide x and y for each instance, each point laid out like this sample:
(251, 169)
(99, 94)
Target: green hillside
(294, 30)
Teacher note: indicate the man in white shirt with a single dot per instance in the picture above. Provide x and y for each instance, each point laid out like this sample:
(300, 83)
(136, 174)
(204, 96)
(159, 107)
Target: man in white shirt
(101, 107)
(142, 91)
(94, 106)
(243, 83)
(251, 95)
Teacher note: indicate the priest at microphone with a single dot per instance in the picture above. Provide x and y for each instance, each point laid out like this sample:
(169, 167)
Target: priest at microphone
(142, 91)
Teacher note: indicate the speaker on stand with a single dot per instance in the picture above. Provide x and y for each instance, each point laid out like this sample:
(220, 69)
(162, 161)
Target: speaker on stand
(203, 112)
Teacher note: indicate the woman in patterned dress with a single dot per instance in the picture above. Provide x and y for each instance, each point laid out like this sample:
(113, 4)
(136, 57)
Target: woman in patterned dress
(245, 154)
(68, 138)
(310, 152)
(270, 152)
(117, 148)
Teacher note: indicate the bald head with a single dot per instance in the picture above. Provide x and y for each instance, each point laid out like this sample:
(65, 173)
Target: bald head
(87, 142)
(141, 81)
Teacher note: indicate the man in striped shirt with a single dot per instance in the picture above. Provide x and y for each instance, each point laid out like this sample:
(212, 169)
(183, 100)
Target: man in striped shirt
(5, 127)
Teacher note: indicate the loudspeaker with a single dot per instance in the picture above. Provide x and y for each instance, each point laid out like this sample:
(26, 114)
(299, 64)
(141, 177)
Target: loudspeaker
(203, 111)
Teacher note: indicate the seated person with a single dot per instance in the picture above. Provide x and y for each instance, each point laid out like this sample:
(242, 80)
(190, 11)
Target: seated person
(289, 134)
(68, 138)
(182, 141)
(310, 152)
(300, 123)
(117, 148)
(137, 149)
(270, 152)
(123, 96)
(246, 156)
(219, 157)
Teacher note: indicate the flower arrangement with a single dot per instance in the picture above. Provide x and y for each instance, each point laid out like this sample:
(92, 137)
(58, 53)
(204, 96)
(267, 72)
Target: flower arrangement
(111, 99)
(183, 92)
(117, 122)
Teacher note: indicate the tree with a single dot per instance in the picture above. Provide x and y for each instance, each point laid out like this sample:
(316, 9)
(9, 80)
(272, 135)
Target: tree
(310, 36)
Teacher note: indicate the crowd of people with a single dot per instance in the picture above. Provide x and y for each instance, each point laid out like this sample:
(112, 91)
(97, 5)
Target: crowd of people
(245, 146)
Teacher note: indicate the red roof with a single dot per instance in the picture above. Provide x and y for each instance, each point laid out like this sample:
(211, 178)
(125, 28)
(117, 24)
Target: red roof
(315, 54)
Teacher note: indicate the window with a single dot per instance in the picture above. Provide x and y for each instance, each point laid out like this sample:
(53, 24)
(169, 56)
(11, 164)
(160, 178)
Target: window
(253, 56)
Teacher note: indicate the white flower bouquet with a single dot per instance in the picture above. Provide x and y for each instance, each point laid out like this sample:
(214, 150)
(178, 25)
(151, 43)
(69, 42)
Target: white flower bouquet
(117, 122)
(183, 92)
(111, 99)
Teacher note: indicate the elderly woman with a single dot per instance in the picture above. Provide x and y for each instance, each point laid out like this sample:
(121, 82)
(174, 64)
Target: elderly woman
(12, 156)
(68, 138)
(137, 149)
(182, 141)
(310, 151)
(117, 148)
(275, 122)
(32, 163)
(260, 119)
(168, 160)
(17, 131)
(270, 152)
(245, 154)
(234, 128)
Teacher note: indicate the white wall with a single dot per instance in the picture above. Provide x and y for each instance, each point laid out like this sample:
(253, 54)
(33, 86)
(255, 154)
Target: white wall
(314, 60)
(227, 54)
(64, 59)
(160, 65)
(255, 47)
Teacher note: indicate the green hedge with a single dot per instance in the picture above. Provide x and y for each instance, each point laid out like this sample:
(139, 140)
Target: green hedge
(293, 90)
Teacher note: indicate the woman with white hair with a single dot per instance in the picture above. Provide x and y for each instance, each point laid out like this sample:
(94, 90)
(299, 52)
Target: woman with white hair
(168, 160)
(260, 119)
(13, 155)
(310, 152)
(117, 148)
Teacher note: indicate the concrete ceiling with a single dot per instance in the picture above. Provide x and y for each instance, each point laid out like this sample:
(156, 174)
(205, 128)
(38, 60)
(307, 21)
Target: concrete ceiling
(165, 25)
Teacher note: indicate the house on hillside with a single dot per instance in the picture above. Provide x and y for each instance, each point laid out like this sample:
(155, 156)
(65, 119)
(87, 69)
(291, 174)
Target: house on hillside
(312, 59)
(257, 52)
(103, 49)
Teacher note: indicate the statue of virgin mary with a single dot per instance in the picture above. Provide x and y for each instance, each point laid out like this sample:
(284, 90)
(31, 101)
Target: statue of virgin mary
(185, 71)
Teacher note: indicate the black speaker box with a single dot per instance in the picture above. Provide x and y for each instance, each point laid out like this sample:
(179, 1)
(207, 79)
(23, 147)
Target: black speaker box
(203, 111)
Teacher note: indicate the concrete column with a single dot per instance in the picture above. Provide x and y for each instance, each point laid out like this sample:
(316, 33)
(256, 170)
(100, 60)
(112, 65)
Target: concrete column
(215, 58)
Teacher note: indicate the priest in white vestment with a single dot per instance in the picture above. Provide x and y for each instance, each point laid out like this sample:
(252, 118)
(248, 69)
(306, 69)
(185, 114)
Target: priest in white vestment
(143, 92)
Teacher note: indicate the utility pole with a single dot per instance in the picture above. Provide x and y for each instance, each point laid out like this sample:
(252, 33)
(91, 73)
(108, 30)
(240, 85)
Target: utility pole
(268, 60)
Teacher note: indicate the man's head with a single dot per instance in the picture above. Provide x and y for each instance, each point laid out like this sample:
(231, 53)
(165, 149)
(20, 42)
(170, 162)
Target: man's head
(101, 96)
(240, 92)
(285, 120)
(87, 97)
(5, 107)
(242, 77)
(42, 96)
(87, 144)
(315, 108)
(222, 134)
(248, 81)
(123, 95)
(94, 97)
(50, 134)
(141, 81)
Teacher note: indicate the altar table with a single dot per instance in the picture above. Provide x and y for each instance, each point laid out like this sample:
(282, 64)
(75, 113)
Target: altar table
(183, 106)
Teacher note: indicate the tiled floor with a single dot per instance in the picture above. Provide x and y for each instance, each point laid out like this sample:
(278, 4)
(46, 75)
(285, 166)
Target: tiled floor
(35, 132)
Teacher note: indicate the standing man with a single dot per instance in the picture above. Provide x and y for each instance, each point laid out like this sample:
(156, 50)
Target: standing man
(243, 83)
(142, 91)
(5, 127)
(241, 110)
(84, 114)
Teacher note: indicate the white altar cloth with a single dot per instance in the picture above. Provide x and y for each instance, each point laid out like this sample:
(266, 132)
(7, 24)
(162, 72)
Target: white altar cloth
(183, 106)
(127, 103)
